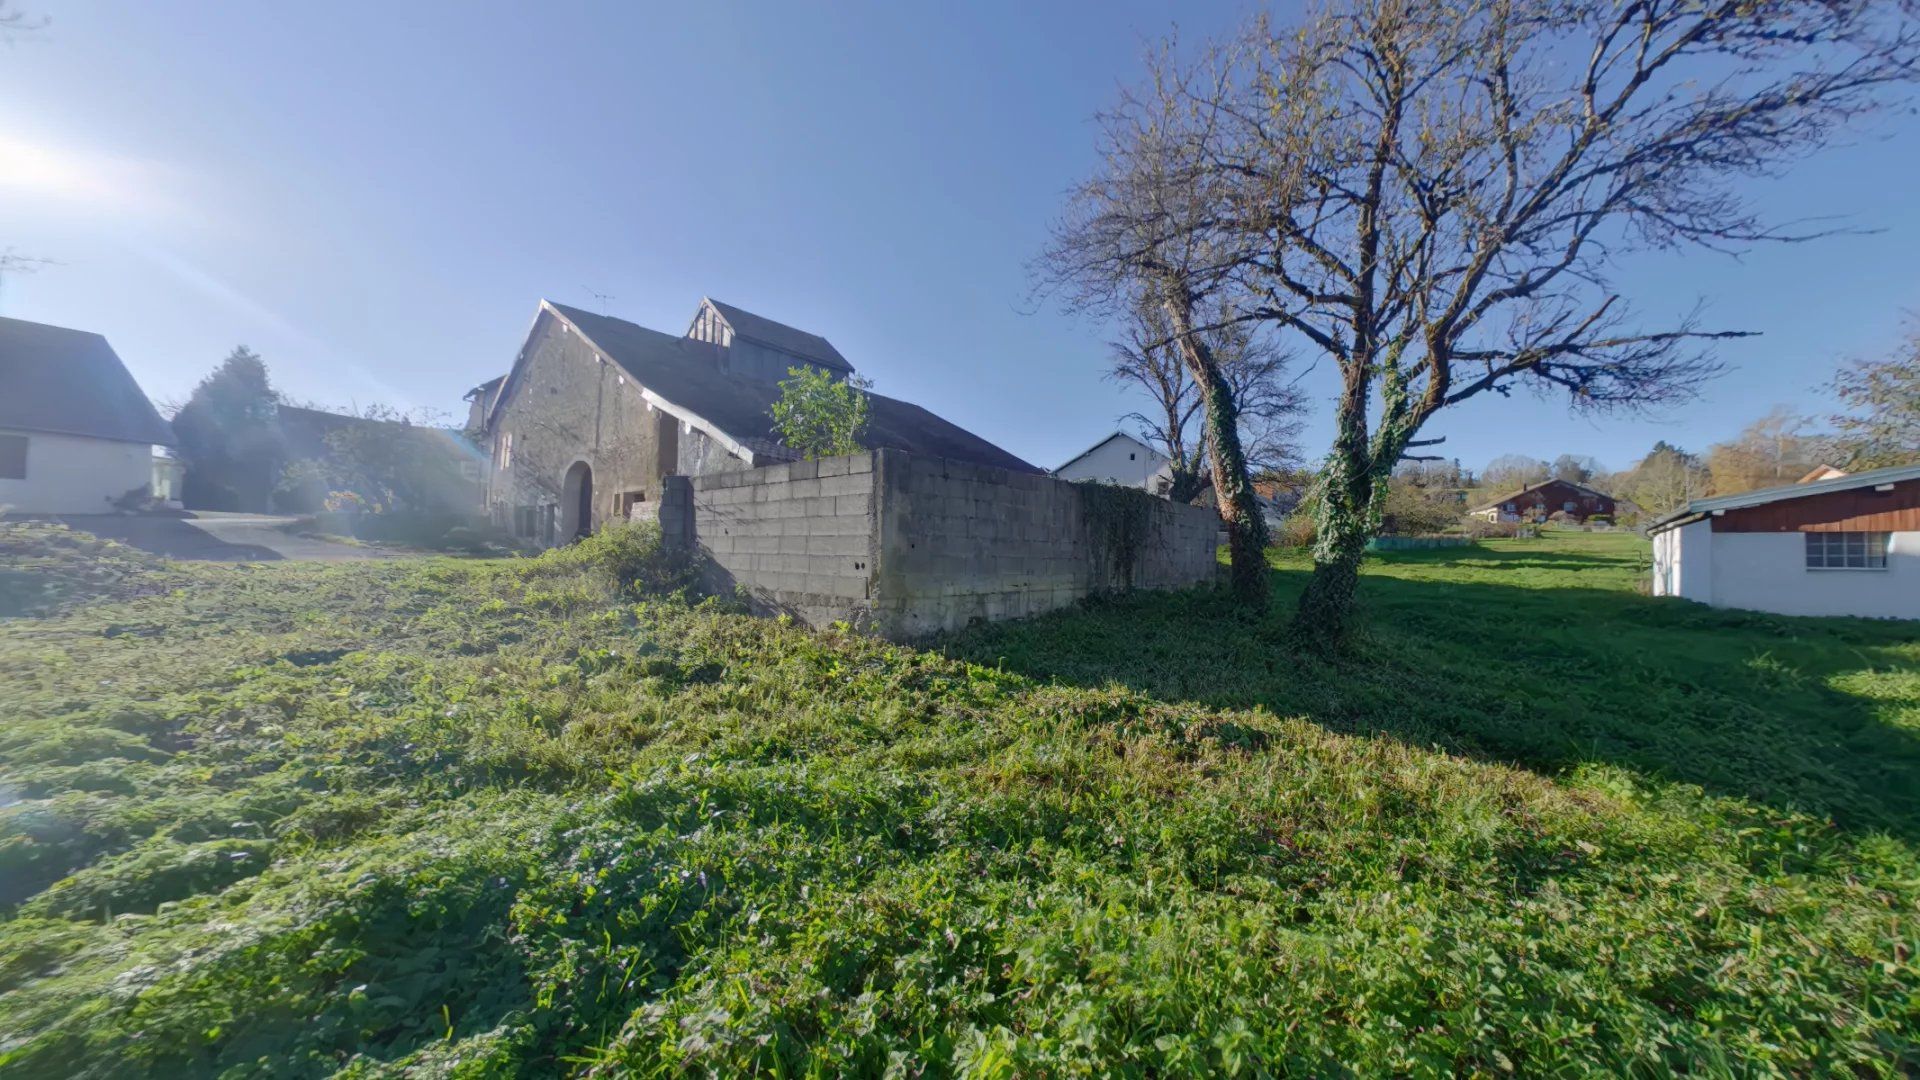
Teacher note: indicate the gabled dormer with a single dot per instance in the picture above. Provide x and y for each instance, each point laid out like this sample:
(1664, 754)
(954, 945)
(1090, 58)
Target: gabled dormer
(759, 348)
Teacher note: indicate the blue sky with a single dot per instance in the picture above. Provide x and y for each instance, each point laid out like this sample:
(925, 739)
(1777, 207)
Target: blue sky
(375, 197)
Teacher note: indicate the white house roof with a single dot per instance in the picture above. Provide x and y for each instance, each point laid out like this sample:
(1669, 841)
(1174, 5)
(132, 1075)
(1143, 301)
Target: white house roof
(71, 382)
(1069, 463)
(1849, 482)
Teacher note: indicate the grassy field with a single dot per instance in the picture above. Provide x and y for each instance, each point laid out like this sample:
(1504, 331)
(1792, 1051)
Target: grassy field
(492, 818)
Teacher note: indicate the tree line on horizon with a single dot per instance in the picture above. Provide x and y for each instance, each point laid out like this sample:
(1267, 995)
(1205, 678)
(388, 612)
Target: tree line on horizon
(1878, 427)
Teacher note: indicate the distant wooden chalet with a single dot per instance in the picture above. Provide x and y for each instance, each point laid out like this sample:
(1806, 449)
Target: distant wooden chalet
(1542, 501)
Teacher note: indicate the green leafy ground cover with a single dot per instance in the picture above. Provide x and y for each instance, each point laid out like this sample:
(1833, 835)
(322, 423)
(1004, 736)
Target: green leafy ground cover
(496, 817)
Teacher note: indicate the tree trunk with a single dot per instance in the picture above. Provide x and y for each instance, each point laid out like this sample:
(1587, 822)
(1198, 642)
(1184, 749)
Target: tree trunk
(1346, 515)
(1232, 489)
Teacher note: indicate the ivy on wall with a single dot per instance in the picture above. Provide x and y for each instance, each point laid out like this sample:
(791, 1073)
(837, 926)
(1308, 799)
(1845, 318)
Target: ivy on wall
(1119, 521)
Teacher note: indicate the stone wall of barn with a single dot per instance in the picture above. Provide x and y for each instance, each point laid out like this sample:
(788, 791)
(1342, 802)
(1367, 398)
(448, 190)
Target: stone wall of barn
(568, 404)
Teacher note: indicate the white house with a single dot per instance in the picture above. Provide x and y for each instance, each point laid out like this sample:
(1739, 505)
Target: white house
(1846, 545)
(76, 432)
(1124, 460)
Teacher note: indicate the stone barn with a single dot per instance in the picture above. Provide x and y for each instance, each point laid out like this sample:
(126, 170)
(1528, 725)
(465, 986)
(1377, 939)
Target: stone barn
(596, 411)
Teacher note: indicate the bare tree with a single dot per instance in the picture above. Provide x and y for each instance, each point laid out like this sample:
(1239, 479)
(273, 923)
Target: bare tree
(1664, 480)
(1152, 227)
(1776, 449)
(1576, 468)
(1510, 471)
(12, 264)
(14, 21)
(1881, 426)
(1255, 370)
(1439, 188)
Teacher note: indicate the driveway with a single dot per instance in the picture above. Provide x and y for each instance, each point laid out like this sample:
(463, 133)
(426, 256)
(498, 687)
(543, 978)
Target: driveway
(208, 536)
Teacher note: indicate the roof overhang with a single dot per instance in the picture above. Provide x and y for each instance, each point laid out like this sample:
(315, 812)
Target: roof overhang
(1876, 479)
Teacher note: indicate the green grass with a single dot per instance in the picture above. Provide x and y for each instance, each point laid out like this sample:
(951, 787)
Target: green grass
(493, 818)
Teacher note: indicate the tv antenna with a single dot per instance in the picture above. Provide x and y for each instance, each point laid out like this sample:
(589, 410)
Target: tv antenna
(601, 297)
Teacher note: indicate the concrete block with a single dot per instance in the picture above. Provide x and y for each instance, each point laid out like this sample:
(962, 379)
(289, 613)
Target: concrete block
(839, 525)
(803, 470)
(837, 546)
(779, 582)
(847, 586)
(849, 484)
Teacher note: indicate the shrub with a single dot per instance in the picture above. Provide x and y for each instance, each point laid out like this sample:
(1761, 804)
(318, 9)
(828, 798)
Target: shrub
(819, 415)
(1296, 530)
(635, 557)
(1408, 511)
(1482, 529)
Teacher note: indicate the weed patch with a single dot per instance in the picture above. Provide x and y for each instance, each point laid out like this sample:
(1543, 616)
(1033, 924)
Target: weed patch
(544, 816)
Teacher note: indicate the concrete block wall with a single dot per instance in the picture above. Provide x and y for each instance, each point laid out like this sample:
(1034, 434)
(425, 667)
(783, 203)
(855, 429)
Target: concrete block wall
(906, 545)
(959, 542)
(799, 536)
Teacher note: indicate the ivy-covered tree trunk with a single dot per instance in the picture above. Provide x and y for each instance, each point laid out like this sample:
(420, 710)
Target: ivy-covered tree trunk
(1232, 488)
(1189, 478)
(1351, 490)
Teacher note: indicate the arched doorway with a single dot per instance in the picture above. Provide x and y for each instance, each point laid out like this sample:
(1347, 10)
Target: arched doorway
(576, 503)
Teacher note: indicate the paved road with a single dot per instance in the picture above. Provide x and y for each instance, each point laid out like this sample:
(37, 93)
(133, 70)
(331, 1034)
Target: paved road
(215, 537)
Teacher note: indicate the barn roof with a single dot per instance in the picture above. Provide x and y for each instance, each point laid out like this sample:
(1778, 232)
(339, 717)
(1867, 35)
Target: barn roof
(780, 336)
(1871, 478)
(685, 375)
(485, 389)
(71, 382)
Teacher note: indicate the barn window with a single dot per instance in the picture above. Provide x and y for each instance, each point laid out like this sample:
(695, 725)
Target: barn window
(506, 450)
(13, 457)
(1847, 550)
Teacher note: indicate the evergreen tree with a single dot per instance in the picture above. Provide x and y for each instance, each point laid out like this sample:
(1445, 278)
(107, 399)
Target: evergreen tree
(229, 436)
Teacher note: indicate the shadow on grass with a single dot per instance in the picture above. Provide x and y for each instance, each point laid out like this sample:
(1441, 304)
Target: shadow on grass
(1542, 659)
